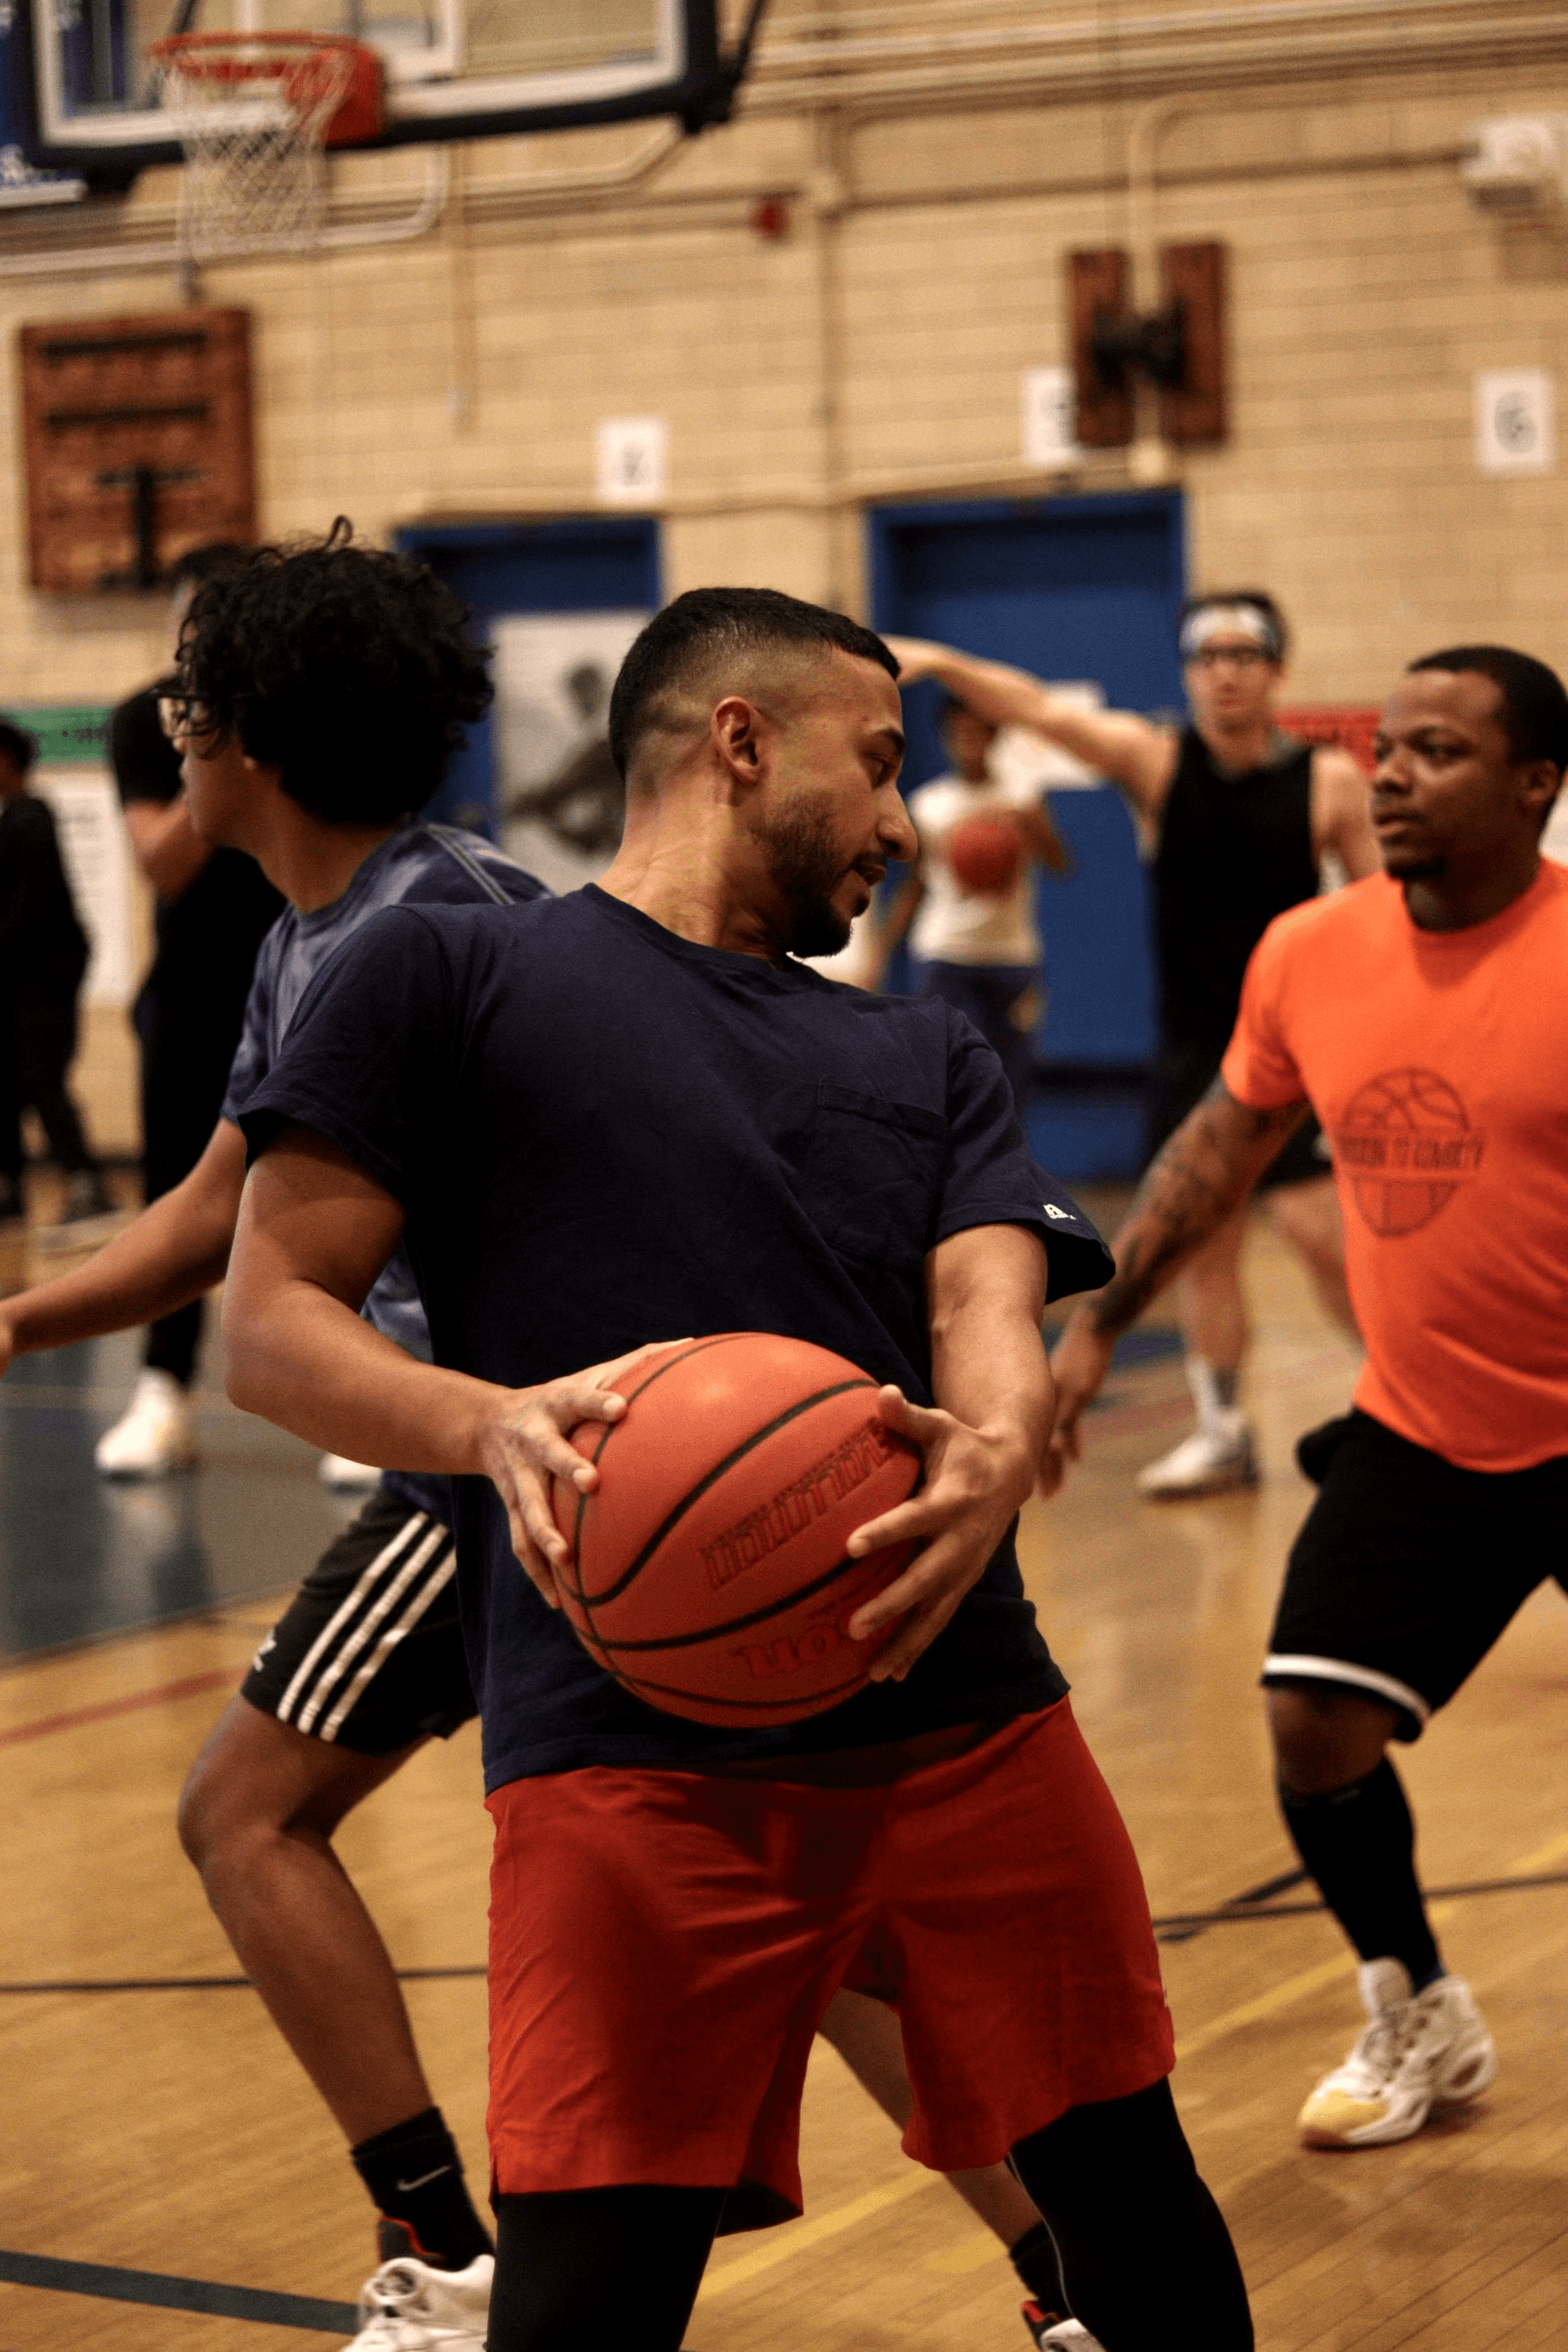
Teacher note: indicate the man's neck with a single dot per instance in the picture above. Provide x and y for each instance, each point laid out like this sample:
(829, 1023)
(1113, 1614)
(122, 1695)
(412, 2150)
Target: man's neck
(1242, 745)
(1456, 902)
(312, 862)
(678, 876)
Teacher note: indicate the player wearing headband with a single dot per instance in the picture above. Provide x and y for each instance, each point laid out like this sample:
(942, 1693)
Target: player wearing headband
(1238, 817)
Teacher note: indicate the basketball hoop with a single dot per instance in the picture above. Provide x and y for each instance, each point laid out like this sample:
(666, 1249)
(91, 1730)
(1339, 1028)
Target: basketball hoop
(254, 112)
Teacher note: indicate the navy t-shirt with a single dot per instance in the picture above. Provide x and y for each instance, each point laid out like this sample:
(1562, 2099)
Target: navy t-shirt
(602, 1134)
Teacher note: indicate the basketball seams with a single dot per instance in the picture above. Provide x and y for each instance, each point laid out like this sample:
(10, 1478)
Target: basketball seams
(672, 1518)
(783, 1711)
(739, 1624)
(684, 1355)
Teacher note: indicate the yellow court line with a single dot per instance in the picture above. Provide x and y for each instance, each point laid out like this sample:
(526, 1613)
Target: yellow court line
(795, 2236)
(969, 2255)
(1280, 1996)
(1544, 1858)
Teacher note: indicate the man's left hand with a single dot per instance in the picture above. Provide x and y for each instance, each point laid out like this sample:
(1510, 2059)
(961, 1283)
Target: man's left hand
(975, 1480)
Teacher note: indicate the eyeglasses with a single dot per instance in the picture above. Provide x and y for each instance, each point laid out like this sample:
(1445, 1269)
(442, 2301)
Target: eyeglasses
(185, 720)
(1242, 657)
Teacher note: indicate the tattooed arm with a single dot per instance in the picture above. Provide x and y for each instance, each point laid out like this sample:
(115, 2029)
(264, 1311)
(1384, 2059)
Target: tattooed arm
(1209, 1165)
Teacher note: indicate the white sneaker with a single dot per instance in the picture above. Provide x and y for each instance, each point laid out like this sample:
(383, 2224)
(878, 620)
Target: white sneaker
(336, 1470)
(152, 1436)
(410, 2307)
(1420, 2052)
(1060, 2334)
(1216, 1457)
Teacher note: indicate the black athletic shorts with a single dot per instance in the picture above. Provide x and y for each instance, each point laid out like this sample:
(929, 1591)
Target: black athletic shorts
(1184, 1075)
(1407, 1568)
(368, 1652)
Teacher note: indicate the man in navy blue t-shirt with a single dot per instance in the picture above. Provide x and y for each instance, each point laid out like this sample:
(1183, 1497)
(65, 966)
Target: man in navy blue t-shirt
(601, 1122)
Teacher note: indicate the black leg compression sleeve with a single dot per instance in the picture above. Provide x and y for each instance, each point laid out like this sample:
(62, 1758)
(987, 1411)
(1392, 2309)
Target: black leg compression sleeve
(1146, 2259)
(595, 2270)
(1359, 1844)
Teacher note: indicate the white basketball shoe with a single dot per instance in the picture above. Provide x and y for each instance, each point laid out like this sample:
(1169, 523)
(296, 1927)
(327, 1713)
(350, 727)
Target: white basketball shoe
(1052, 2335)
(1421, 2050)
(409, 2306)
(1216, 1456)
(153, 1435)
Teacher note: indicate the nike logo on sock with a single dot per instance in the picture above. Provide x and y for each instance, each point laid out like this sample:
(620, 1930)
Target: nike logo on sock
(406, 2188)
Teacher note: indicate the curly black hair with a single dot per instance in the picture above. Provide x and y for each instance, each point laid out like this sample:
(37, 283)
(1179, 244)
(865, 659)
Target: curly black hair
(348, 670)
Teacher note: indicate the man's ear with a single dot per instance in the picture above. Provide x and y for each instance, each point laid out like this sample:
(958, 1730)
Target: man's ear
(1542, 783)
(740, 737)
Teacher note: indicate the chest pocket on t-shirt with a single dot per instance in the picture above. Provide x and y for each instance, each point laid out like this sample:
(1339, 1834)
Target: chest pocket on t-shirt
(870, 1172)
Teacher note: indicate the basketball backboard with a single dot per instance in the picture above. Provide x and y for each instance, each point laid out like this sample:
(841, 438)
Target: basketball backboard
(87, 100)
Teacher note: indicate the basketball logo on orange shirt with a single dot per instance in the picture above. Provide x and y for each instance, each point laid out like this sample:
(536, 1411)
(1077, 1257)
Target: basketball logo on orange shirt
(1405, 1142)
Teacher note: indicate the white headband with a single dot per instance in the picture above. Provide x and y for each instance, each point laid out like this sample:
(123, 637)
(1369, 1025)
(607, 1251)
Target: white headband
(1231, 621)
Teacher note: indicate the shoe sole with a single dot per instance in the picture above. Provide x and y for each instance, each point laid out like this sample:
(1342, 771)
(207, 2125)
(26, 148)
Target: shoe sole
(1196, 1494)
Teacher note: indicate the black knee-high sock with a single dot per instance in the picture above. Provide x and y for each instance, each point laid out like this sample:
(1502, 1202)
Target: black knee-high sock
(1358, 1842)
(1145, 2255)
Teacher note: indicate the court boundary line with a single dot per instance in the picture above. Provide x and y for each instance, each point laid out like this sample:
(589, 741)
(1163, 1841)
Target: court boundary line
(1232, 1916)
(265, 2306)
(43, 1727)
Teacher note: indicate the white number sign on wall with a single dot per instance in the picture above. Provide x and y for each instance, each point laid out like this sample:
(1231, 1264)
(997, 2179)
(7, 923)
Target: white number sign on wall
(1049, 417)
(633, 460)
(1515, 427)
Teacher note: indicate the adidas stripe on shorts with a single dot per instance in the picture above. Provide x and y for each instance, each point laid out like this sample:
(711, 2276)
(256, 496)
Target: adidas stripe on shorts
(369, 1652)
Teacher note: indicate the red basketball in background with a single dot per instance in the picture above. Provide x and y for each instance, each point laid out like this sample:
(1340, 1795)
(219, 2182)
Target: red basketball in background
(710, 1574)
(985, 853)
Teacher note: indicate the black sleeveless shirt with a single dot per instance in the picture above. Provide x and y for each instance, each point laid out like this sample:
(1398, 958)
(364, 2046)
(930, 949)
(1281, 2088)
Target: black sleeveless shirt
(1235, 851)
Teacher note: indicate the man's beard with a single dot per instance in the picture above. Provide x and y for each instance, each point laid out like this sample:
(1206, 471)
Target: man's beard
(805, 861)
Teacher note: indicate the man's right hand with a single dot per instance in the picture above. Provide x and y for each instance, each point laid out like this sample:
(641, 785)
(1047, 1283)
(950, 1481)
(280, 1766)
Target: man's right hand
(525, 1448)
(1079, 1366)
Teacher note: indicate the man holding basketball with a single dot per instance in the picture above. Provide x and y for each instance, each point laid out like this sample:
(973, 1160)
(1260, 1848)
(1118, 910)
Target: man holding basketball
(627, 1116)
(1418, 1015)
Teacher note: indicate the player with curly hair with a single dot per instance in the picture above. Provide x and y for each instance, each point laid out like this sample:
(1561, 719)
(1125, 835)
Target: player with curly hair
(321, 689)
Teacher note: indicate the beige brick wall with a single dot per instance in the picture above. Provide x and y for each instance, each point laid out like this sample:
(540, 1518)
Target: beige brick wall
(878, 352)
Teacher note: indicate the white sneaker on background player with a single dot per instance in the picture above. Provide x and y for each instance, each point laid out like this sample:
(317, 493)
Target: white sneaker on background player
(1059, 2335)
(1216, 1457)
(153, 1435)
(409, 2306)
(1421, 2050)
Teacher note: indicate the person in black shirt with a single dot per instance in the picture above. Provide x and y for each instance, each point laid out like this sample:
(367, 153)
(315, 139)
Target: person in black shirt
(43, 955)
(215, 908)
(1236, 817)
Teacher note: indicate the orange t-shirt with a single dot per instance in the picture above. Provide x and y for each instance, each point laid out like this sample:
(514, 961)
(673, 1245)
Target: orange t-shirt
(1435, 1061)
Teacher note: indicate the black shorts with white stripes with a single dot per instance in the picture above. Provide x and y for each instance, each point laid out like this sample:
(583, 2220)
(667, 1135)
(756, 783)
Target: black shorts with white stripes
(368, 1654)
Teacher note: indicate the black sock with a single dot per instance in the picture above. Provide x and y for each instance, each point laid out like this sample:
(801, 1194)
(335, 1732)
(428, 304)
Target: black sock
(415, 2175)
(1034, 2259)
(1359, 1844)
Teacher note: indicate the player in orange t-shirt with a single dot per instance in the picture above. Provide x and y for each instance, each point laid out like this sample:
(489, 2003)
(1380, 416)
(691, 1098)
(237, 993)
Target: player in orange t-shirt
(1419, 1014)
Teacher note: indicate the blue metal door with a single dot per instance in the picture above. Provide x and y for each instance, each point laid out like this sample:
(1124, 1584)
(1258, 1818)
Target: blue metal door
(1068, 588)
(590, 566)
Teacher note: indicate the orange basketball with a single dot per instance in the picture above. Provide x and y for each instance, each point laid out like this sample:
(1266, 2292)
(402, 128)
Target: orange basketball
(985, 853)
(710, 1574)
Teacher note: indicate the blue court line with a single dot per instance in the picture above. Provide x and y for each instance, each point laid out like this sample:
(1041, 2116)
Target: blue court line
(206, 2296)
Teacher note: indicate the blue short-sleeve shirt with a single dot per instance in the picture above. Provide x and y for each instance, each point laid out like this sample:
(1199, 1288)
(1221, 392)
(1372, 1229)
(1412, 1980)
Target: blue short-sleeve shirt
(602, 1134)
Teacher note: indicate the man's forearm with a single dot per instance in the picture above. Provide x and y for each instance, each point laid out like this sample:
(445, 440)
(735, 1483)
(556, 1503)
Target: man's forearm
(177, 1250)
(988, 1366)
(1204, 1170)
(305, 1359)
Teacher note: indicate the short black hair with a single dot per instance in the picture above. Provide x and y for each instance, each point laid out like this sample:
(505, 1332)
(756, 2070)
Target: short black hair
(17, 746)
(350, 671)
(207, 561)
(1260, 601)
(1533, 700)
(708, 621)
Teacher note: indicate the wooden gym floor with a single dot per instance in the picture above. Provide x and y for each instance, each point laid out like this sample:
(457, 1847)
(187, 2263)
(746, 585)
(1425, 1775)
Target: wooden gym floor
(167, 2131)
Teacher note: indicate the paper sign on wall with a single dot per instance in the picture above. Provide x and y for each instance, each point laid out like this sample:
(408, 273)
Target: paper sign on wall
(633, 454)
(1049, 417)
(92, 837)
(1515, 429)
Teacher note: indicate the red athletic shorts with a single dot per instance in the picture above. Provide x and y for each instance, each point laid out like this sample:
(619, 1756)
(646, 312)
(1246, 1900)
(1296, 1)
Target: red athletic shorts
(663, 1945)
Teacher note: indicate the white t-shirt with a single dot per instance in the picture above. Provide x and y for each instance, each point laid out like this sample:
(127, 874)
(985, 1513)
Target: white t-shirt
(956, 926)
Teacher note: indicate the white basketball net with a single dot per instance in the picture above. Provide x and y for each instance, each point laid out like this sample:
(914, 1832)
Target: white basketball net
(251, 117)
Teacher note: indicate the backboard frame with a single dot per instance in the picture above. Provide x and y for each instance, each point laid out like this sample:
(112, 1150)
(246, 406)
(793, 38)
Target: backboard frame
(688, 75)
